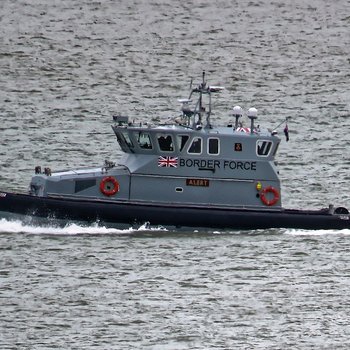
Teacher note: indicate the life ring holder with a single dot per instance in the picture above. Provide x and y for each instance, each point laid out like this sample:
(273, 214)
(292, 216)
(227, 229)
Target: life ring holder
(105, 188)
(274, 200)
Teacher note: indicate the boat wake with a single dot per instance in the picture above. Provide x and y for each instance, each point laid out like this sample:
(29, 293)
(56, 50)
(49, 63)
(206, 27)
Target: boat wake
(296, 232)
(17, 226)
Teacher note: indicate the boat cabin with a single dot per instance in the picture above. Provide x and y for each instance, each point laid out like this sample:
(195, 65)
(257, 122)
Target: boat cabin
(188, 161)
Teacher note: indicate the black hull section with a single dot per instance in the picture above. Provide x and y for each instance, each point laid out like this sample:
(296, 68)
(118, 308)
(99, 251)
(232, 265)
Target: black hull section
(112, 212)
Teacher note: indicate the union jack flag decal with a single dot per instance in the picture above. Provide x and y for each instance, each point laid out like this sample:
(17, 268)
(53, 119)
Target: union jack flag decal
(167, 162)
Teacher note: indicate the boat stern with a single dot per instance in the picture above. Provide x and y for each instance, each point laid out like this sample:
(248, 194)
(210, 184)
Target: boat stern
(37, 185)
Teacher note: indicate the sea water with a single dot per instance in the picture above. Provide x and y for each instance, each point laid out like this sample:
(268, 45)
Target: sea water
(67, 66)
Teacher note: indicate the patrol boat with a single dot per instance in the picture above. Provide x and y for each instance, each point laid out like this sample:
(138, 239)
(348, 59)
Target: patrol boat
(183, 173)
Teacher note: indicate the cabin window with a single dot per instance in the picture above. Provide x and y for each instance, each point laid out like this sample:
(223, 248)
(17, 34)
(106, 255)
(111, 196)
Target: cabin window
(121, 142)
(276, 149)
(165, 143)
(143, 139)
(127, 139)
(263, 148)
(213, 146)
(182, 141)
(196, 146)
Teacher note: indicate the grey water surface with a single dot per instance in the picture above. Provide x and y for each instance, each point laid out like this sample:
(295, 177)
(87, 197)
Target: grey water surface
(67, 66)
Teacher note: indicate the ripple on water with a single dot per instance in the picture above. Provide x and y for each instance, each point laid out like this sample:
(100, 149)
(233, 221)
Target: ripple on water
(66, 69)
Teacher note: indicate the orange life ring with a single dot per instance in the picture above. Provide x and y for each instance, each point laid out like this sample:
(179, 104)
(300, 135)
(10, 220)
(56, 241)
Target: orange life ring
(109, 186)
(274, 200)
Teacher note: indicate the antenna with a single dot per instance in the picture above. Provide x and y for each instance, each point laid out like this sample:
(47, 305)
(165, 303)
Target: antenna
(284, 121)
(203, 82)
(286, 130)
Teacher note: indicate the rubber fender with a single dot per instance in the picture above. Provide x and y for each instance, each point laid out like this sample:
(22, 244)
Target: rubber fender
(341, 210)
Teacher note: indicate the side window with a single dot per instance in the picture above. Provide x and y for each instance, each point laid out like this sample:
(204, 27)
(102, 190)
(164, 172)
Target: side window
(196, 146)
(127, 139)
(165, 143)
(143, 139)
(182, 141)
(263, 148)
(213, 146)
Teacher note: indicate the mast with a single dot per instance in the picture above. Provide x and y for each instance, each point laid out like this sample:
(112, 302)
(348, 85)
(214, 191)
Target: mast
(199, 109)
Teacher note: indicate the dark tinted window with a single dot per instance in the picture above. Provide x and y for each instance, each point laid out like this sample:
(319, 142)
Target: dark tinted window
(182, 140)
(263, 148)
(165, 143)
(196, 146)
(213, 146)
